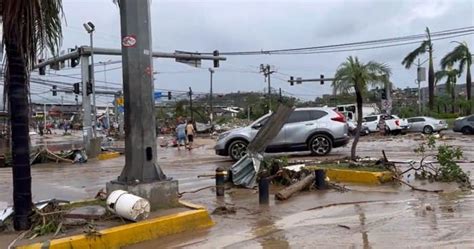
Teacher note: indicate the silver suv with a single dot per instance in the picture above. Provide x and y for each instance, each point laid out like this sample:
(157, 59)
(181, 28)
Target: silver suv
(315, 129)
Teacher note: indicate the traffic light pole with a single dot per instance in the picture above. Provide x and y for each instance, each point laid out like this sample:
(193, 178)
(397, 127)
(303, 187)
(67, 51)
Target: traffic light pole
(86, 106)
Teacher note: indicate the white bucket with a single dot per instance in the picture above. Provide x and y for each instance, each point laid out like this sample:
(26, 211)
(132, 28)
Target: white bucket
(128, 206)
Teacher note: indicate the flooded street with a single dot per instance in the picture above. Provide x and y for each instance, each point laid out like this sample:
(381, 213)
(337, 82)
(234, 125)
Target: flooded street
(387, 216)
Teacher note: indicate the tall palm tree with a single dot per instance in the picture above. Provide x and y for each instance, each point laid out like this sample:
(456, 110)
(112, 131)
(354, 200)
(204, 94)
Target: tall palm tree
(451, 76)
(463, 56)
(28, 27)
(425, 46)
(353, 74)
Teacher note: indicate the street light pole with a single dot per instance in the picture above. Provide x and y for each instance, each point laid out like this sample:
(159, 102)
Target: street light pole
(211, 116)
(90, 28)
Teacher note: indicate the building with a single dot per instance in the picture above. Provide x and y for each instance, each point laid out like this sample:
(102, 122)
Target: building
(441, 90)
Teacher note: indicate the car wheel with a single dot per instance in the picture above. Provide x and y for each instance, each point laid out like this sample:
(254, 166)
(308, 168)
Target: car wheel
(427, 129)
(466, 130)
(238, 149)
(320, 145)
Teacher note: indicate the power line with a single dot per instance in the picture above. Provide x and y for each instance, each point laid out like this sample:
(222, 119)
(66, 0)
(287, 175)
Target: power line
(400, 41)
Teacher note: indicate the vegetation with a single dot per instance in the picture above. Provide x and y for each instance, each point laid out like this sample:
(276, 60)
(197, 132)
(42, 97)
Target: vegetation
(29, 26)
(425, 47)
(451, 76)
(463, 57)
(446, 155)
(355, 75)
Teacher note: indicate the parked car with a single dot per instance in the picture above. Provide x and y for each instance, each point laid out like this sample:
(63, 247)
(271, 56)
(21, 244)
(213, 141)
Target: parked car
(315, 129)
(426, 125)
(392, 124)
(464, 125)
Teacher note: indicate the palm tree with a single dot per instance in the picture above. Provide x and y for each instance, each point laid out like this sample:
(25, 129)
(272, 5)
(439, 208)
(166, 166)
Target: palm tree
(28, 27)
(462, 55)
(353, 74)
(451, 76)
(425, 46)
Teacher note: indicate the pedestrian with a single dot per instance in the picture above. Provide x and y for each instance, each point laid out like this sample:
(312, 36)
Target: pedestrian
(190, 132)
(66, 126)
(48, 128)
(181, 134)
(41, 128)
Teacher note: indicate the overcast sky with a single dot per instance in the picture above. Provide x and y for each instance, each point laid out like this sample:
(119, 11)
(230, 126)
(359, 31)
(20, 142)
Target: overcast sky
(232, 25)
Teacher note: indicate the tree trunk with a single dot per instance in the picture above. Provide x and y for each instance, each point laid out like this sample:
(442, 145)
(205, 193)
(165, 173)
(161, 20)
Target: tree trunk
(19, 117)
(431, 81)
(359, 122)
(287, 192)
(468, 88)
(453, 96)
(468, 82)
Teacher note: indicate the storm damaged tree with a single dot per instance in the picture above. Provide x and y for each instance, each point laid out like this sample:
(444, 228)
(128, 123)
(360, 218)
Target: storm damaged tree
(451, 76)
(29, 26)
(426, 46)
(353, 75)
(463, 57)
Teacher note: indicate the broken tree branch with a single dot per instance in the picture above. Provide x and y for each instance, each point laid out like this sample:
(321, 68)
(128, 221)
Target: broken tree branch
(417, 189)
(287, 192)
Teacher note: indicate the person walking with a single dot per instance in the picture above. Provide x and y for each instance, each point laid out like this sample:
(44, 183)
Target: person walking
(181, 134)
(190, 132)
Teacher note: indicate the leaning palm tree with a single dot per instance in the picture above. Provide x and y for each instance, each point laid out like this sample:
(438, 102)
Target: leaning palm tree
(451, 76)
(28, 27)
(356, 75)
(425, 46)
(463, 56)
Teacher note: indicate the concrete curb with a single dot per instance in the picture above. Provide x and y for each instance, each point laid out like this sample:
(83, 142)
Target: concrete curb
(117, 237)
(108, 155)
(355, 176)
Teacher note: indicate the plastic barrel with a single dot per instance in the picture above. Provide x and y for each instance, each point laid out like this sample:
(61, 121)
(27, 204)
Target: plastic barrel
(128, 206)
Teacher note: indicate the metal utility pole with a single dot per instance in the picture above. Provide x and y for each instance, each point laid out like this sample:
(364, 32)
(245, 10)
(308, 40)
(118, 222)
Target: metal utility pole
(86, 105)
(140, 141)
(420, 76)
(267, 71)
(190, 93)
(211, 115)
(90, 28)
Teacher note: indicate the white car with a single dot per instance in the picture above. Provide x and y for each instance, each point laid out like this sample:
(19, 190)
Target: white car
(393, 124)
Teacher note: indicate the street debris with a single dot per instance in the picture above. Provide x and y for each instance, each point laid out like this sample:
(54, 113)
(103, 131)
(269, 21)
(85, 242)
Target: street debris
(128, 206)
(223, 210)
(294, 188)
(245, 171)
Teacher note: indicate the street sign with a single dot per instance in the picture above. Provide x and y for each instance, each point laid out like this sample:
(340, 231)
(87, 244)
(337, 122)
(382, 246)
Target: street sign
(386, 104)
(157, 95)
(190, 62)
(129, 41)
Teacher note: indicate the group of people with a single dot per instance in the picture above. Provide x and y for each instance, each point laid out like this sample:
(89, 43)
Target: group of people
(185, 131)
(48, 126)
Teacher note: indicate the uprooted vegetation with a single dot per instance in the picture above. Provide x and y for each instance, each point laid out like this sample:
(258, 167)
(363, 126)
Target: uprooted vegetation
(446, 169)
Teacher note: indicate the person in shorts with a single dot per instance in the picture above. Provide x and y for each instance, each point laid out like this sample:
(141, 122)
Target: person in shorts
(181, 134)
(190, 132)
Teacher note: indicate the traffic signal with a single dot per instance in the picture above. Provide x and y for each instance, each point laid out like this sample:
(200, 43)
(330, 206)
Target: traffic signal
(76, 89)
(55, 93)
(42, 70)
(322, 79)
(216, 61)
(292, 82)
(169, 95)
(89, 88)
(384, 93)
(74, 61)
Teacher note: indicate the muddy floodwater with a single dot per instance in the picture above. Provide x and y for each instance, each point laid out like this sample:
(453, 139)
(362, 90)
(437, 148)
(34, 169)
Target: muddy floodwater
(386, 216)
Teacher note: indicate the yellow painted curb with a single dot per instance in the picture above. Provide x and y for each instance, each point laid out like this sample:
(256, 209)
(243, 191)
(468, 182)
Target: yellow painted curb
(117, 237)
(355, 176)
(108, 155)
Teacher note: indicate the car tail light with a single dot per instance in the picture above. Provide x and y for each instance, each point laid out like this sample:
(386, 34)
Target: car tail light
(340, 118)
(397, 122)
